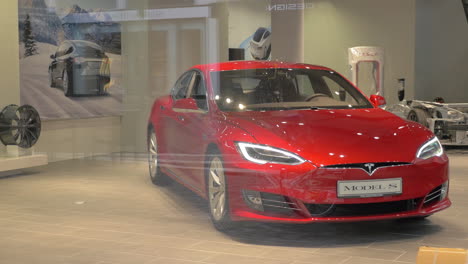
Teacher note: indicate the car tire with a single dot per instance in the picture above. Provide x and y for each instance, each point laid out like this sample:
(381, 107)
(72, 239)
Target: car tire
(217, 192)
(102, 84)
(420, 116)
(67, 84)
(100, 90)
(51, 80)
(156, 175)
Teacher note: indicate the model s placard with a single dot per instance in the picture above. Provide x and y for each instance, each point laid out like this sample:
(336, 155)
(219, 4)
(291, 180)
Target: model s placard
(271, 141)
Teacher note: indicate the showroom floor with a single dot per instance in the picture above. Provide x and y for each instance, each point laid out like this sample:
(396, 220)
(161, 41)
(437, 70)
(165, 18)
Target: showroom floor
(106, 210)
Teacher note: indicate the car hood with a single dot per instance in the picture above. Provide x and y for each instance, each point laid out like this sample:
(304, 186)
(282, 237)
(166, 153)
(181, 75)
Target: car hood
(329, 137)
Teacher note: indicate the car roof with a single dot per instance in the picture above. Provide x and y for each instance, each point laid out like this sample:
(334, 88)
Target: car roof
(84, 43)
(246, 65)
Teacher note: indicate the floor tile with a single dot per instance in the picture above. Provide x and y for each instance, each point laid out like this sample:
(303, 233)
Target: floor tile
(107, 211)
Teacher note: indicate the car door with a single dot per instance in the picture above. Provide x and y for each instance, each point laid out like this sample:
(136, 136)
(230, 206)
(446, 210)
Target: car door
(171, 130)
(194, 130)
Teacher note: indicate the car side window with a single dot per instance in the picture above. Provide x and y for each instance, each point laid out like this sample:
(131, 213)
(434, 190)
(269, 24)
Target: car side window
(181, 87)
(69, 50)
(198, 91)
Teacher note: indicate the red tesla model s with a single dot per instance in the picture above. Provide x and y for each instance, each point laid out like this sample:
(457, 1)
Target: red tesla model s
(272, 141)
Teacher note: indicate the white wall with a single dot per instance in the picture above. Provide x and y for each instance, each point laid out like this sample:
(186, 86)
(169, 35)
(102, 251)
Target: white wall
(288, 23)
(441, 51)
(245, 17)
(9, 81)
(72, 139)
(150, 69)
(333, 26)
(135, 70)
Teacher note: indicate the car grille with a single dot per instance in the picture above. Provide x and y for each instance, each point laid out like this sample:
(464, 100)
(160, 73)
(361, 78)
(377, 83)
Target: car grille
(368, 209)
(368, 167)
(433, 196)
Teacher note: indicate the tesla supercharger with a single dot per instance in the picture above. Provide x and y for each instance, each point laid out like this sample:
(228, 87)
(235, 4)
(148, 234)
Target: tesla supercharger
(367, 68)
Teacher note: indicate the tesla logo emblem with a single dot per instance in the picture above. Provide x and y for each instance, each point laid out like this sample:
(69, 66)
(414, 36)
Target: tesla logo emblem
(370, 167)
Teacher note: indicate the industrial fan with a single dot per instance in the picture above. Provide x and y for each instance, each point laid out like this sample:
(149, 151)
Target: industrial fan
(20, 126)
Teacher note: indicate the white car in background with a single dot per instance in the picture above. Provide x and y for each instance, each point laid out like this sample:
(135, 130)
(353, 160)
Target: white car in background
(449, 122)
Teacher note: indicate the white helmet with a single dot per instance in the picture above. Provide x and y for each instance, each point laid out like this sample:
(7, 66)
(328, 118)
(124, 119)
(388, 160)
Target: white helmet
(260, 45)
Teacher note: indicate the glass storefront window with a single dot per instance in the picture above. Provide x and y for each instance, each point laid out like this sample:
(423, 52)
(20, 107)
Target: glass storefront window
(249, 116)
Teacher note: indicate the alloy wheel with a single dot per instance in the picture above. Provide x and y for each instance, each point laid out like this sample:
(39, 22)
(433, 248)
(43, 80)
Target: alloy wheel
(51, 80)
(217, 189)
(153, 155)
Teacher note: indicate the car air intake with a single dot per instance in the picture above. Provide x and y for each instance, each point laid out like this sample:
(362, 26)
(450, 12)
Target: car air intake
(277, 203)
(269, 202)
(369, 209)
(435, 196)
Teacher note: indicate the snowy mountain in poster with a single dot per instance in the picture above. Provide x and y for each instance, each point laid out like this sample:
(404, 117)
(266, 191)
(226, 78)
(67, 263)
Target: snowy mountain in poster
(47, 26)
(75, 23)
(79, 15)
(92, 25)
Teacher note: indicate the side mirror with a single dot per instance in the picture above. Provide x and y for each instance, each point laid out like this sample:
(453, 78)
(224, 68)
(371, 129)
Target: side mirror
(69, 50)
(377, 100)
(186, 104)
(52, 56)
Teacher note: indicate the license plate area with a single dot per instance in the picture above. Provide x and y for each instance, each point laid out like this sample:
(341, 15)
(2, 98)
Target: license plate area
(369, 188)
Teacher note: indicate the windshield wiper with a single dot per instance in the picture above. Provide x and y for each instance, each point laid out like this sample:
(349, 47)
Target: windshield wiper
(317, 108)
(265, 108)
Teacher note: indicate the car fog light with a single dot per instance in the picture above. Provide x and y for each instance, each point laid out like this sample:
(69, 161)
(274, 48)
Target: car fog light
(253, 199)
(444, 190)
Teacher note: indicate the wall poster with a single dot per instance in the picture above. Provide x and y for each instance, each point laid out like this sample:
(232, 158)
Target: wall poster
(70, 59)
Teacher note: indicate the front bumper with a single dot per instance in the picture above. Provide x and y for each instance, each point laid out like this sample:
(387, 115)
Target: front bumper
(311, 192)
(243, 215)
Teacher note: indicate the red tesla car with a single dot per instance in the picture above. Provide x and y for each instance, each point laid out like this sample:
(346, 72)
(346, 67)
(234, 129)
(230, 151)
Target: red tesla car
(272, 141)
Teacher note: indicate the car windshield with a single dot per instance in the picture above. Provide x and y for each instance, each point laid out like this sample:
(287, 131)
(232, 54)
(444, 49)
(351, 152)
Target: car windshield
(283, 89)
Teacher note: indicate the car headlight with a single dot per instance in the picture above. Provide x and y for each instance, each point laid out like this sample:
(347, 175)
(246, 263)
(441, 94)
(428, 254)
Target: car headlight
(430, 149)
(262, 154)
